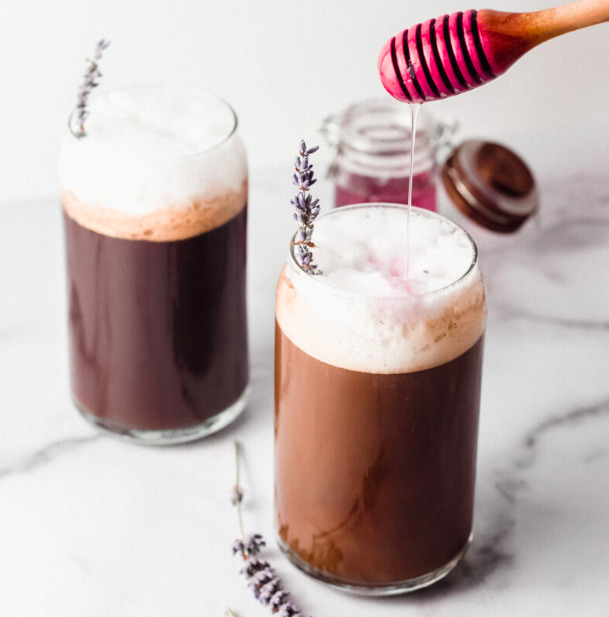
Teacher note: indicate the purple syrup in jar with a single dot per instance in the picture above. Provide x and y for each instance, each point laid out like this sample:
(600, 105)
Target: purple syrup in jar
(359, 189)
(372, 141)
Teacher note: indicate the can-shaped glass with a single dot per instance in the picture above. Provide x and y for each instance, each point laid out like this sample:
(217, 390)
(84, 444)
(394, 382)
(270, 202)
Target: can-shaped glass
(154, 199)
(377, 393)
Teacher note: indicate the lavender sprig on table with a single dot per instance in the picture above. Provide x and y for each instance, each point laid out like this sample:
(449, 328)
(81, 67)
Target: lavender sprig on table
(90, 81)
(306, 207)
(260, 575)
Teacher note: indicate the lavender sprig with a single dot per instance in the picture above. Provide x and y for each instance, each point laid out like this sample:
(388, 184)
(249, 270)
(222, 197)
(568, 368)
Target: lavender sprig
(261, 577)
(306, 207)
(90, 81)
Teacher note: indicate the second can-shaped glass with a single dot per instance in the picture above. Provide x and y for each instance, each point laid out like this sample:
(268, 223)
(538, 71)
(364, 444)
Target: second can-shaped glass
(154, 198)
(377, 398)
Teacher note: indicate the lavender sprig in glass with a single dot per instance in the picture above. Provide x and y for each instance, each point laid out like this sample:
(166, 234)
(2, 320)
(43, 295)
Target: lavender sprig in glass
(260, 575)
(90, 81)
(306, 207)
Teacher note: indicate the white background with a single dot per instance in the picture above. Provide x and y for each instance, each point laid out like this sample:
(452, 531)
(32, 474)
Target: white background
(282, 64)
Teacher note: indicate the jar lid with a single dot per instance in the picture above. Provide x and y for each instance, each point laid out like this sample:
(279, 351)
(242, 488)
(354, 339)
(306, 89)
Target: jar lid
(490, 184)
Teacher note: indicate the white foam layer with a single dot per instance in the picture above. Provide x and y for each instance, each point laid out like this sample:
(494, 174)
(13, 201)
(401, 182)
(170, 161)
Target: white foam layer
(150, 148)
(363, 313)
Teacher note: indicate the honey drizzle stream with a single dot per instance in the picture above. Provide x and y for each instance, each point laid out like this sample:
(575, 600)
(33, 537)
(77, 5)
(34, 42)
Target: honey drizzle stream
(414, 112)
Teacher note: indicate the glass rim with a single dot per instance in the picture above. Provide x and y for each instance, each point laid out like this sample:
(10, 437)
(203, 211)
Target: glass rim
(172, 87)
(353, 294)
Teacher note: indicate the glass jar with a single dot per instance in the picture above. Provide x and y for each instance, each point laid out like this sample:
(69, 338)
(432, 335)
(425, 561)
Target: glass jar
(372, 160)
(490, 191)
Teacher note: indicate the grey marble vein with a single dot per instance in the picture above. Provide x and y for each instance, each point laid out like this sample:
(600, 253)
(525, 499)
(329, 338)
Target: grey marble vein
(533, 437)
(46, 454)
(512, 483)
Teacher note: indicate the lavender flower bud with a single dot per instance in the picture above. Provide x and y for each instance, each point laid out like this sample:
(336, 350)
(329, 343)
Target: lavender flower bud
(236, 495)
(255, 565)
(268, 590)
(255, 587)
(288, 609)
(254, 543)
(260, 579)
(303, 252)
(239, 547)
(281, 597)
(264, 576)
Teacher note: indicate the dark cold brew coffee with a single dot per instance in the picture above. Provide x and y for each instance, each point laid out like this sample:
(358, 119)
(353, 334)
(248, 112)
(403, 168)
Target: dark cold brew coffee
(158, 335)
(381, 466)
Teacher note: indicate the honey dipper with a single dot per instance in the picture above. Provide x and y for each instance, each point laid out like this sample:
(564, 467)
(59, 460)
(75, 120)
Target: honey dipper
(454, 53)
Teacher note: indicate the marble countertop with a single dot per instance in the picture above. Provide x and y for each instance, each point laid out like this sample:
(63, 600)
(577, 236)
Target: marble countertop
(91, 526)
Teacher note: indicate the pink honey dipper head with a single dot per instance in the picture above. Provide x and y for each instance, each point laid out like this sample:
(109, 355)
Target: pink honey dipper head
(446, 56)
(389, 77)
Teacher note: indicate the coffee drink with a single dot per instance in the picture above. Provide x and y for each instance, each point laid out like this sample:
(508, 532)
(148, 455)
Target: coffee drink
(377, 397)
(154, 201)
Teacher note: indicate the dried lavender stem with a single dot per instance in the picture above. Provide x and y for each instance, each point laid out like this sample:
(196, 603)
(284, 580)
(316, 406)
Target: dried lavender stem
(260, 575)
(306, 208)
(238, 489)
(90, 81)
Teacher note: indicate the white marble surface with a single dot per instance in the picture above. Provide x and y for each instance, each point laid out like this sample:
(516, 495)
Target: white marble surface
(90, 526)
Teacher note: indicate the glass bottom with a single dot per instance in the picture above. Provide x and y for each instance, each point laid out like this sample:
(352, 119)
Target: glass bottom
(391, 589)
(170, 436)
